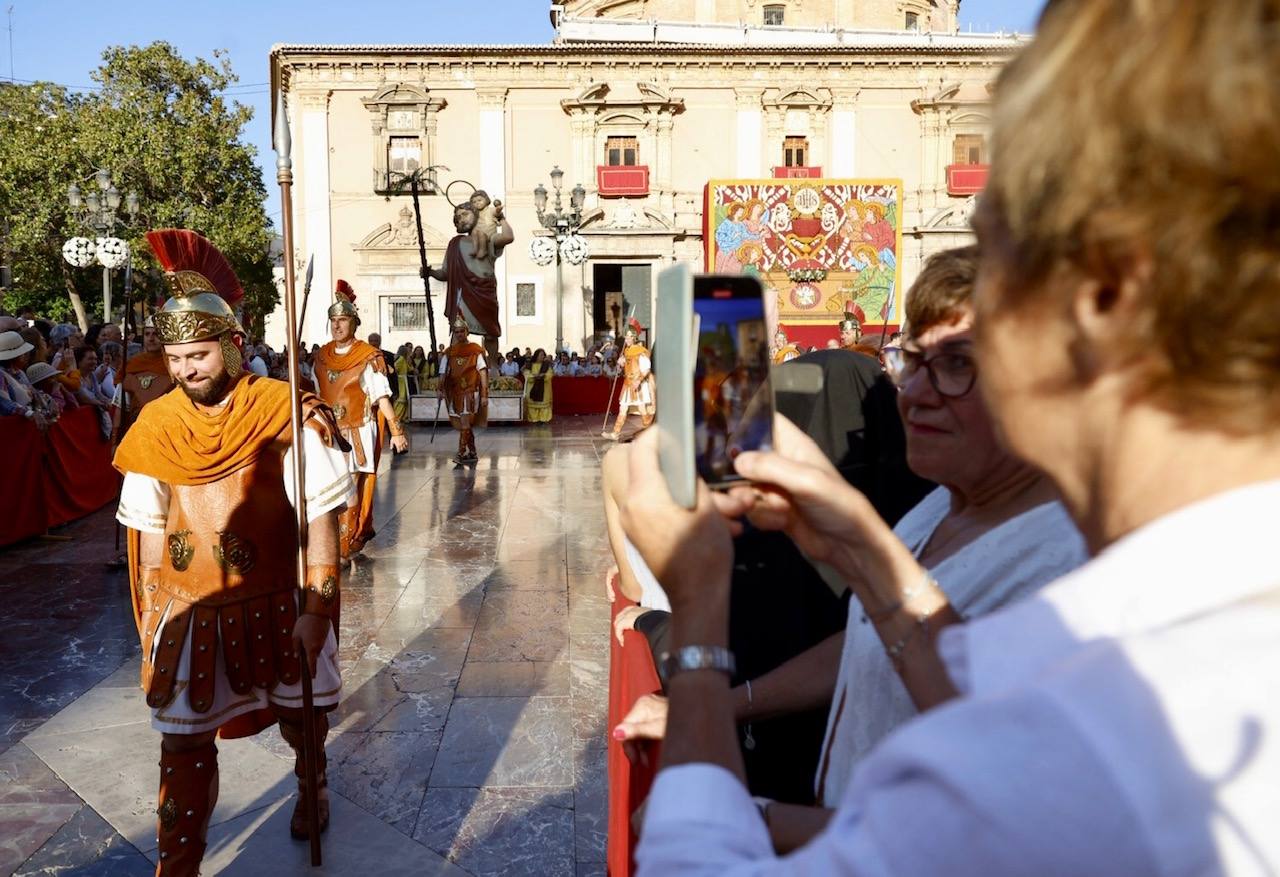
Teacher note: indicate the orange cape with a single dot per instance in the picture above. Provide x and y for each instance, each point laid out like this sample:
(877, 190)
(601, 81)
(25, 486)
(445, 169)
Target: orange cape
(635, 350)
(359, 354)
(146, 363)
(174, 442)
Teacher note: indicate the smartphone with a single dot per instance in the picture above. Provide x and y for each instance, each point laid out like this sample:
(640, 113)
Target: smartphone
(733, 390)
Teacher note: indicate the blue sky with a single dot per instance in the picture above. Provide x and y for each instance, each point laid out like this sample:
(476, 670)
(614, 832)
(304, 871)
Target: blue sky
(62, 40)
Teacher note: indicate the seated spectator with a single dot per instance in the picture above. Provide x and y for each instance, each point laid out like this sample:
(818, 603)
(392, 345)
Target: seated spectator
(109, 332)
(257, 362)
(65, 339)
(509, 368)
(593, 368)
(90, 390)
(17, 396)
(1102, 726)
(109, 372)
(49, 392)
(40, 347)
(611, 369)
(563, 367)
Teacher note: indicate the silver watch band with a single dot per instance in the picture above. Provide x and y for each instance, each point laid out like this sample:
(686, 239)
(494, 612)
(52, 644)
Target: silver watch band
(671, 664)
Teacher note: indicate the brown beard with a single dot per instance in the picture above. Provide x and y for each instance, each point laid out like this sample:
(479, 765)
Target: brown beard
(214, 393)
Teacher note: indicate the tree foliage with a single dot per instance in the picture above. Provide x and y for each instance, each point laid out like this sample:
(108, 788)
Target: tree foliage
(163, 127)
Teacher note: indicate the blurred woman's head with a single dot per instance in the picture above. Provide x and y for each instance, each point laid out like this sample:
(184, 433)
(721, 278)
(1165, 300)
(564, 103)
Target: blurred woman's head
(1129, 224)
(539, 355)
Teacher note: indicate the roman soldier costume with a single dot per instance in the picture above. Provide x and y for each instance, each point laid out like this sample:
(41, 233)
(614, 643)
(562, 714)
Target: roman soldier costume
(146, 378)
(216, 616)
(851, 325)
(637, 382)
(351, 380)
(464, 386)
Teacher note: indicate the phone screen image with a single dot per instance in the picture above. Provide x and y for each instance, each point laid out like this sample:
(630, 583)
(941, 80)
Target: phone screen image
(732, 397)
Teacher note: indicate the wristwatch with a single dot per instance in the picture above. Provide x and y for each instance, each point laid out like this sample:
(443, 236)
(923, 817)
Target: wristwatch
(670, 664)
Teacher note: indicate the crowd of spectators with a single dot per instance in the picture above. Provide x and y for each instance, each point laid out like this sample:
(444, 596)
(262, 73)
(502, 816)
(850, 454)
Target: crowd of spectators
(49, 368)
(1063, 659)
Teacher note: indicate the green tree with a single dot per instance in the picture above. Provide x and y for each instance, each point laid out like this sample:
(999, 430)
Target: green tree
(162, 126)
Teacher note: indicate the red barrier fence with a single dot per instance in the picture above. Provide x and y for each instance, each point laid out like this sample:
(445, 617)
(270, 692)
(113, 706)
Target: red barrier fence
(582, 395)
(631, 676)
(52, 478)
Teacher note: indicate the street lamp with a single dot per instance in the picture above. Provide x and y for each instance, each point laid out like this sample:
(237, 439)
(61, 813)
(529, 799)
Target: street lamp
(563, 225)
(100, 211)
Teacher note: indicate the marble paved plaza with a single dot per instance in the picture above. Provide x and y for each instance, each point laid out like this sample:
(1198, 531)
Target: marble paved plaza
(474, 648)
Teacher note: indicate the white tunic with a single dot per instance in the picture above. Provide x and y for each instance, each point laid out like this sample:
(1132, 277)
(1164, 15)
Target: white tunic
(144, 506)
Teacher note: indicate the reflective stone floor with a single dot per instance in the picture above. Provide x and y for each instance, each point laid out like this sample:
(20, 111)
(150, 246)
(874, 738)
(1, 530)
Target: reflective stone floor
(474, 646)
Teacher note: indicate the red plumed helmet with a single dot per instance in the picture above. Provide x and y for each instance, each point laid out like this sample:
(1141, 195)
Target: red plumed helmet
(344, 289)
(634, 325)
(193, 264)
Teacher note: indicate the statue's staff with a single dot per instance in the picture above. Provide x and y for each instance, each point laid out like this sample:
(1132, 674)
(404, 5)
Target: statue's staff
(284, 176)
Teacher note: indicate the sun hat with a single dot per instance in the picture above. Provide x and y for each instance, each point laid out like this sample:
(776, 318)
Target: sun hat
(13, 345)
(39, 371)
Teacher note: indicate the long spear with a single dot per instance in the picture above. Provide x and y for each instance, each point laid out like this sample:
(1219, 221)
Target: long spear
(124, 365)
(306, 295)
(284, 176)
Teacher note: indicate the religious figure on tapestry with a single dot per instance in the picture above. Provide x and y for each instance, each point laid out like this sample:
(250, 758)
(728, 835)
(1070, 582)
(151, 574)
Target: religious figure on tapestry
(823, 249)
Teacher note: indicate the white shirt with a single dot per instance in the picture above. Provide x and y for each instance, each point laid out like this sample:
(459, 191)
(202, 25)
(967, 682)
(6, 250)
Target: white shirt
(509, 368)
(375, 386)
(1123, 721)
(1004, 564)
(144, 501)
(257, 366)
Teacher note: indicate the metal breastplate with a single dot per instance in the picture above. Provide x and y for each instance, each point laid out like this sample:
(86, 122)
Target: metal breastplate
(232, 539)
(343, 393)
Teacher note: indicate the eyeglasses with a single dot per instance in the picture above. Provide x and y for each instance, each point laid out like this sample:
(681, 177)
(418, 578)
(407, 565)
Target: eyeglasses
(951, 374)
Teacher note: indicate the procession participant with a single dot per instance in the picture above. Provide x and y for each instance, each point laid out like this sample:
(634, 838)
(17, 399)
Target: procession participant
(472, 285)
(783, 349)
(851, 337)
(538, 388)
(351, 377)
(464, 387)
(637, 383)
(146, 378)
(212, 550)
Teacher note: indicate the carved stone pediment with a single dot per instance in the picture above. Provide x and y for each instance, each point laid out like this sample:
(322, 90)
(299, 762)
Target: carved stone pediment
(401, 234)
(633, 98)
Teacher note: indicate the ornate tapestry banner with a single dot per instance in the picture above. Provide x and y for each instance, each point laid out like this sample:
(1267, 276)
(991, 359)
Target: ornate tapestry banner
(820, 246)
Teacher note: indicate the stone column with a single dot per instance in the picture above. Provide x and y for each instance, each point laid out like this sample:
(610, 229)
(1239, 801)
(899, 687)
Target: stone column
(844, 151)
(750, 163)
(312, 217)
(775, 129)
(662, 171)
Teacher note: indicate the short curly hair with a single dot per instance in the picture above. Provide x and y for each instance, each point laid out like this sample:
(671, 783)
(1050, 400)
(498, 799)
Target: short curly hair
(943, 291)
(1148, 132)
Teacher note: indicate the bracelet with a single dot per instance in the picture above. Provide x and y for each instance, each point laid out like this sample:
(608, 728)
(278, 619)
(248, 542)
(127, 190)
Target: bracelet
(321, 590)
(890, 610)
(749, 739)
(894, 651)
(763, 804)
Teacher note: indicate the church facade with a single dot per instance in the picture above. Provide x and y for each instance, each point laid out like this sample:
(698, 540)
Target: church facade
(647, 105)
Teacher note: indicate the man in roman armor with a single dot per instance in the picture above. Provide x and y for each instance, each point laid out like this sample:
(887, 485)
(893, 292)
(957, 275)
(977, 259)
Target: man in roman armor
(637, 383)
(464, 387)
(146, 378)
(851, 337)
(226, 628)
(351, 377)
